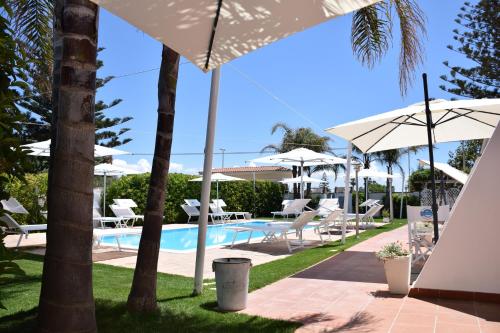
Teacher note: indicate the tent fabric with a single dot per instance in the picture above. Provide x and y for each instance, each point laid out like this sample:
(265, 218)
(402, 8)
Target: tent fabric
(187, 26)
(218, 177)
(454, 173)
(453, 120)
(466, 256)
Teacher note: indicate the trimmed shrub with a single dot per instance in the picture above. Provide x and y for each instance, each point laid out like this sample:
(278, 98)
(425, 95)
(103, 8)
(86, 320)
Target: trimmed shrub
(28, 193)
(238, 195)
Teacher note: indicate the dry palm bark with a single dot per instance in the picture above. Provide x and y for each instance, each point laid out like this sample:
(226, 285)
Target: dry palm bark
(142, 297)
(66, 300)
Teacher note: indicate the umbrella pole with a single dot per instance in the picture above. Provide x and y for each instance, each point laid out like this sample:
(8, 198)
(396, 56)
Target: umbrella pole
(302, 179)
(205, 187)
(430, 125)
(357, 201)
(104, 201)
(346, 190)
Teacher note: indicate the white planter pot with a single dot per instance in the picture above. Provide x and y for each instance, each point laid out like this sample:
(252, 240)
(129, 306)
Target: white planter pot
(397, 272)
(386, 220)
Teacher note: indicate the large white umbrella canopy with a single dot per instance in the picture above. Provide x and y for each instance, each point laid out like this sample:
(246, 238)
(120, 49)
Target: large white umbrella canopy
(211, 33)
(106, 169)
(300, 157)
(218, 177)
(373, 173)
(452, 121)
(42, 148)
(305, 179)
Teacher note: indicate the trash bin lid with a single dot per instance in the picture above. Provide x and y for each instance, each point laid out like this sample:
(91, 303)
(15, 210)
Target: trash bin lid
(232, 261)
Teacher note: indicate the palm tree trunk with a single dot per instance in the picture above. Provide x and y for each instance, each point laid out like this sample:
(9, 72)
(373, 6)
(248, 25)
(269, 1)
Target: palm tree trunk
(66, 302)
(142, 297)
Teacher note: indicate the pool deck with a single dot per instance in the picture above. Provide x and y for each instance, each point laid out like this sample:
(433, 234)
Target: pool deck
(348, 293)
(182, 263)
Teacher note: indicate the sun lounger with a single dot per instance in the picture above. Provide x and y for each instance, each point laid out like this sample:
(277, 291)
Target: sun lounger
(326, 206)
(192, 202)
(192, 211)
(326, 223)
(13, 206)
(126, 214)
(294, 208)
(23, 230)
(273, 230)
(98, 234)
(367, 218)
(218, 210)
(125, 203)
(118, 222)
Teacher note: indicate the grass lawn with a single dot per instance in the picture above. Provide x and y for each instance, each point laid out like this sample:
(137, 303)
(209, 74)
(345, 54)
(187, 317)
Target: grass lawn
(179, 312)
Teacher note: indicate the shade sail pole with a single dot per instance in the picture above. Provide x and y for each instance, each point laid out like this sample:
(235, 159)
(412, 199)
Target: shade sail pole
(346, 190)
(205, 186)
(430, 126)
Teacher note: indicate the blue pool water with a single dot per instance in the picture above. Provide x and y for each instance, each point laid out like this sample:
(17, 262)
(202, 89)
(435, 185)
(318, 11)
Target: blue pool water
(185, 239)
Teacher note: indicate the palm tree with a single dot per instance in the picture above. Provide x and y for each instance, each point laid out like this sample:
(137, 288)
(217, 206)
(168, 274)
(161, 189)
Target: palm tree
(66, 300)
(366, 160)
(298, 138)
(372, 33)
(391, 158)
(142, 297)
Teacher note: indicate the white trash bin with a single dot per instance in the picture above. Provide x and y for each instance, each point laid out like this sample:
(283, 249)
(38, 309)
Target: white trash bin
(231, 280)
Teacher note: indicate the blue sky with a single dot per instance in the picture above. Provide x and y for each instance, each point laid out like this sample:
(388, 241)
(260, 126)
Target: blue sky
(314, 72)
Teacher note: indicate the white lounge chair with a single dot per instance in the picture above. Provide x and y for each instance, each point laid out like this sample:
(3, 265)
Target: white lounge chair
(192, 211)
(216, 209)
(294, 208)
(369, 203)
(23, 230)
(13, 206)
(192, 202)
(326, 206)
(367, 218)
(118, 222)
(125, 203)
(326, 223)
(273, 230)
(98, 234)
(126, 214)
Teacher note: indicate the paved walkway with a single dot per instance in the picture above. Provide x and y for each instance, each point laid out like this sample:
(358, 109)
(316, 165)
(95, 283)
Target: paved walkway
(348, 293)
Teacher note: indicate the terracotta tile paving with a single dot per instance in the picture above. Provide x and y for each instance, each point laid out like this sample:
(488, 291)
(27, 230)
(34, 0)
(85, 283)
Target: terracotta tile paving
(348, 293)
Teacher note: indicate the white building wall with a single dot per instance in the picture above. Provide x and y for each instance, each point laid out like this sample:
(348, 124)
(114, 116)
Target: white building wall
(467, 256)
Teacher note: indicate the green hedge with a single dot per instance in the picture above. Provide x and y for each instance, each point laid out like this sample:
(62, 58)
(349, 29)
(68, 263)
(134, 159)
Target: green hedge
(239, 195)
(28, 192)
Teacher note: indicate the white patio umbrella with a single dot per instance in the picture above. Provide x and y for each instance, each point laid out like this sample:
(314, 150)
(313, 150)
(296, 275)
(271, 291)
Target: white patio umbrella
(300, 157)
(423, 123)
(106, 169)
(210, 33)
(42, 148)
(218, 177)
(373, 173)
(454, 173)
(305, 179)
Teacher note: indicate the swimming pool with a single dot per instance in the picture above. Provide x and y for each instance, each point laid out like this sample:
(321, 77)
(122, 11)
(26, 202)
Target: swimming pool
(185, 239)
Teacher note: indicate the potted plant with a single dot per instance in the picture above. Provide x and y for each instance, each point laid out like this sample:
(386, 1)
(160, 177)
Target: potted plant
(397, 266)
(386, 216)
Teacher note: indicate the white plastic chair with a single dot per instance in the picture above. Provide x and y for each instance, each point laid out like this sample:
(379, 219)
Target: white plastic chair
(294, 208)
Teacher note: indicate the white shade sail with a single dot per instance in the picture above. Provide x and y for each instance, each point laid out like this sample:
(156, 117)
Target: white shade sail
(218, 177)
(43, 149)
(300, 156)
(452, 121)
(211, 33)
(454, 173)
(305, 179)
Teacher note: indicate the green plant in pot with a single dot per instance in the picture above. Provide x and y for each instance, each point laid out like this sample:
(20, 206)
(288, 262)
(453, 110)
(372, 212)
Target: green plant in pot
(397, 266)
(386, 216)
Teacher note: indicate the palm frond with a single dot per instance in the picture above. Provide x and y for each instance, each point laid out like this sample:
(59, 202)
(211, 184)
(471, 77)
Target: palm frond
(412, 27)
(370, 33)
(280, 125)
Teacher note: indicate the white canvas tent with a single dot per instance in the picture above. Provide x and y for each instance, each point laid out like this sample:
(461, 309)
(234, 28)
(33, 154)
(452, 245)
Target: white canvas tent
(466, 257)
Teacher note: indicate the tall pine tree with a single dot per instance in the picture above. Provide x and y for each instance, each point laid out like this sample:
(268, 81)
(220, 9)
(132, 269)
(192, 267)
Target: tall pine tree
(478, 40)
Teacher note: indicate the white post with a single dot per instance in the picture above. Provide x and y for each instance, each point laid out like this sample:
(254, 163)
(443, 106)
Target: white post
(346, 190)
(302, 179)
(104, 201)
(205, 186)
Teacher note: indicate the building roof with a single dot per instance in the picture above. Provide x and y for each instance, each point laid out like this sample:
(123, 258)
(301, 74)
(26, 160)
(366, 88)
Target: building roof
(252, 169)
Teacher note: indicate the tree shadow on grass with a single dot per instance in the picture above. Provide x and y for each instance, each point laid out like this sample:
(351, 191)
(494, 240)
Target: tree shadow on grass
(113, 317)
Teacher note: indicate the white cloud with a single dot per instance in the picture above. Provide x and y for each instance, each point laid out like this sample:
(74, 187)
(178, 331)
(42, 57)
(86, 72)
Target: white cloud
(142, 165)
(176, 167)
